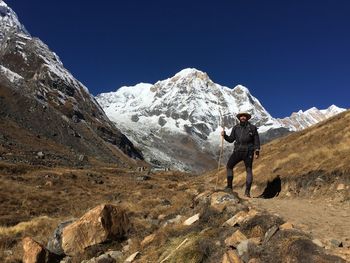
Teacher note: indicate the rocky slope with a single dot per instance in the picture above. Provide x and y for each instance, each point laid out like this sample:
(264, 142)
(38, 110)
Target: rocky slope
(177, 121)
(40, 96)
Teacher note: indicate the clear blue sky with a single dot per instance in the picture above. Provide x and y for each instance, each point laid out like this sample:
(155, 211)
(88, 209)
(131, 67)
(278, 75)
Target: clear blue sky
(290, 54)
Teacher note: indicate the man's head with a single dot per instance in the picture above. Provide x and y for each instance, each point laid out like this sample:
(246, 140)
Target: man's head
(243, 116)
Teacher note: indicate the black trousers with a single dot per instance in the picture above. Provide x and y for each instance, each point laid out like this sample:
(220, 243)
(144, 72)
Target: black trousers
(236, 157)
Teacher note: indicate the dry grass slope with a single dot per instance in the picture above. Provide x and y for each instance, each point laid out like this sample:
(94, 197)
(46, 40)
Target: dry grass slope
(321, 150)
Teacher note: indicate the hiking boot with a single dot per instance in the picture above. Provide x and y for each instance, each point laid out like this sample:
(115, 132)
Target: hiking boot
(228, 189)
(247, 192)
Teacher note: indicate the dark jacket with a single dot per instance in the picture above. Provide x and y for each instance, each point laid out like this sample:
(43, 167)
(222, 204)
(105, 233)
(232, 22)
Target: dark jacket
(245, 136)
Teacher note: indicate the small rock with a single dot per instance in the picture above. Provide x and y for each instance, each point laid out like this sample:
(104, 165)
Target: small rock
(82, 158)
(242, 248)
(237, 219)
(286, 226)
(75, 118)
(165, 202)
(132, 257)
(317, 242)
(175, 220)
(40, 155)
(236, 238)
(191, 220)
(230, 256)
(143, 178)
(66, 260)
(336, 243)
(117, 255)
(147, 240)
(161, 217)
(269, 233)
(340, 187)
(126, 248)
(49, 183)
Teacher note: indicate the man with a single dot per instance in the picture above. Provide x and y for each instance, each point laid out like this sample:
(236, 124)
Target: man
(247, 143)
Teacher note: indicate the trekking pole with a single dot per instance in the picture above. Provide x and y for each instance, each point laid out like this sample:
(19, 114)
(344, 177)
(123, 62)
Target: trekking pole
(221, 148)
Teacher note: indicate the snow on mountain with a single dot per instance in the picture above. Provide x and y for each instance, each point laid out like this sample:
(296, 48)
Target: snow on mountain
(175, 120)
(304, 119)
(29, 69)
(188, 104)
(9, 21)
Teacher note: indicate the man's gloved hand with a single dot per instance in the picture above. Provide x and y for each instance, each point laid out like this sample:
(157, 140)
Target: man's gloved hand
(257, 154)
(223, 133)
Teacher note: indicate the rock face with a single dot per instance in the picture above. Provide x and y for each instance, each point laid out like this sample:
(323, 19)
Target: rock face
(41, 96)
(177, 121)
(104, 222)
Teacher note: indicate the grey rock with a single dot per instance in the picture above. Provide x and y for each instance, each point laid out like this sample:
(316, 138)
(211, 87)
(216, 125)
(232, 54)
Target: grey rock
(269, 234)
(143, 178)
(75, 119)
(336, 243)
(82, 158)
(66, 260)
(242, 248)
(55, 242)
(117, 255)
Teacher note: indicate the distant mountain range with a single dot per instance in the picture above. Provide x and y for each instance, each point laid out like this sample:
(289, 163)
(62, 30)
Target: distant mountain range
(304, 119)
(177, 119)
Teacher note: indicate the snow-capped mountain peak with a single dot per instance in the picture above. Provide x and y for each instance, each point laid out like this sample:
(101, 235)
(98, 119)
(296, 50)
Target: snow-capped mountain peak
(303, 119)
(332, 110)
(9, 21)
(186, 105)
(190, 73)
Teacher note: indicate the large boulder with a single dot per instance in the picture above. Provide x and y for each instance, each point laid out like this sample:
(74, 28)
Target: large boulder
(104, 222)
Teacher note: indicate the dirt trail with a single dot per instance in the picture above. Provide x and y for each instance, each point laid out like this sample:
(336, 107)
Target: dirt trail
(323, 220)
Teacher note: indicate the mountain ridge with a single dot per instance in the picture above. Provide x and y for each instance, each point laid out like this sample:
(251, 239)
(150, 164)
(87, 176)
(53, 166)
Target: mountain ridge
(42, 97)
(187, 104)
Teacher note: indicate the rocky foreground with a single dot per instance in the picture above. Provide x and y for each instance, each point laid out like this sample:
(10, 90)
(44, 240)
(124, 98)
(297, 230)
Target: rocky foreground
(128, 216)
(246, 236)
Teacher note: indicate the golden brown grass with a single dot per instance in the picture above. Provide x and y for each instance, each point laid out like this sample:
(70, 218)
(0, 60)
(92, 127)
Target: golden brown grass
(36, 199)
(324, 147)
